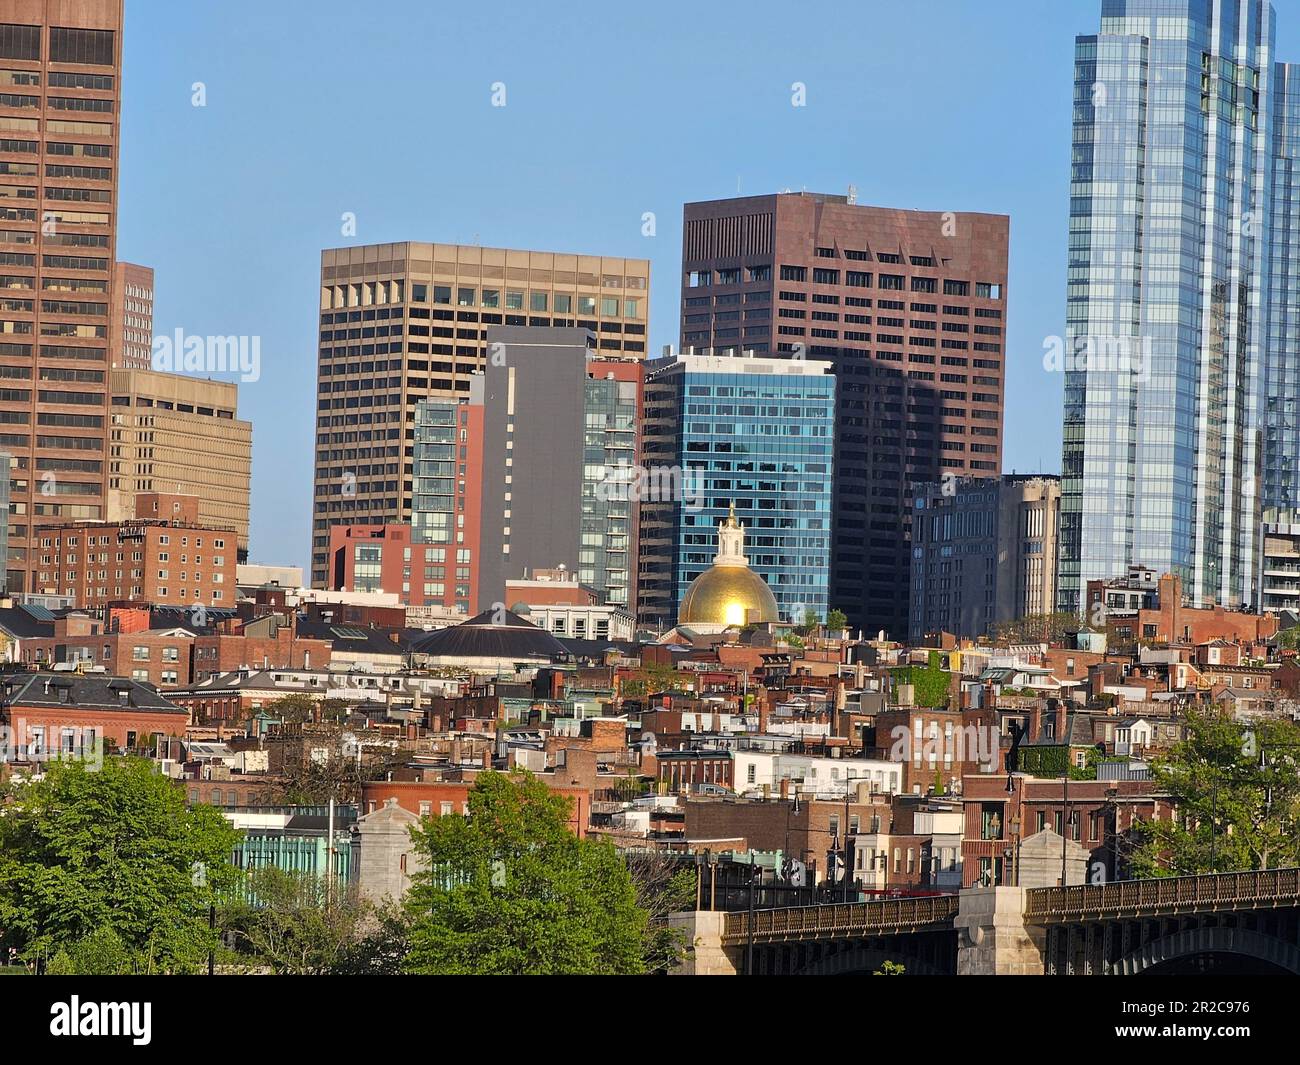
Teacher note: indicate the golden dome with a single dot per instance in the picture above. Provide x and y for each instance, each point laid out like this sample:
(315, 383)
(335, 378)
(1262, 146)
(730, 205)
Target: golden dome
(727, 595)
(728, 592)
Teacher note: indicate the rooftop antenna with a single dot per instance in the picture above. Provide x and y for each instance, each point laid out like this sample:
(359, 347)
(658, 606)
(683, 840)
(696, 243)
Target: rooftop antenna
(853, 194)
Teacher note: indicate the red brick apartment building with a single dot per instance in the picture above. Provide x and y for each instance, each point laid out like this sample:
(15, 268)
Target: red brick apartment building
(436, 798)
(125, 645)
(385, 558)
(170, 558)
(1095, 811)
(69, 713)
(909, 307)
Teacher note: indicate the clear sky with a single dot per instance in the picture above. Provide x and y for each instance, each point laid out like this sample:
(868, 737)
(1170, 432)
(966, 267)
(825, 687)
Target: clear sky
(319, 107)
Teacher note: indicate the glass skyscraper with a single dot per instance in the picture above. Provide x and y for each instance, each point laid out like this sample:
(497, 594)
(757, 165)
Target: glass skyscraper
(758, 433)
(610, 407)
(1282, 367)
(1167, 355)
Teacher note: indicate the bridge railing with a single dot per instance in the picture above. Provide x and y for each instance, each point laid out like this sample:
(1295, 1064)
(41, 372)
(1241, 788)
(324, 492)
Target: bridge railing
(850, 918)
(1266, 887)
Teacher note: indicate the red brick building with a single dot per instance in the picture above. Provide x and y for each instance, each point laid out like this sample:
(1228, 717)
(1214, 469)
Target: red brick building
(384, 558)
(436, 798)
(161, 657)
(71, 713)
(1091, 812)
(168, 559)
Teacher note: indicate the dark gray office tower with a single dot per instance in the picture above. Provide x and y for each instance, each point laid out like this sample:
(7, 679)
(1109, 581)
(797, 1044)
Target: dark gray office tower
(555, 419)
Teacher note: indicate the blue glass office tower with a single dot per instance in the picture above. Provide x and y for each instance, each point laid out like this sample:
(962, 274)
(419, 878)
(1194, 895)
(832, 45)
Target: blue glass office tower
(1282, 367)
(756, 432)
(1166, 357)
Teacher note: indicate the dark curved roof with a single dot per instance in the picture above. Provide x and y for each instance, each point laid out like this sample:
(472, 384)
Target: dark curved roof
(491, 634)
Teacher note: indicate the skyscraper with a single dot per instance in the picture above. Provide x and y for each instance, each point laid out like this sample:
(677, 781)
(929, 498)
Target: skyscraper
(60, 65)
(909, 308)
(754, 433)
(170, 432)
(447, 503)
(983, 552)
(403, 322)
(1174, 331)
(555, 420)
(131, 322)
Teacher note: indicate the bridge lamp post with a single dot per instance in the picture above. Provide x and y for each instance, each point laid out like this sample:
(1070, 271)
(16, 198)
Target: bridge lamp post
(1263, 765)
(1112, 802)
(1013, 852)
(755, 872)
(1065, 808)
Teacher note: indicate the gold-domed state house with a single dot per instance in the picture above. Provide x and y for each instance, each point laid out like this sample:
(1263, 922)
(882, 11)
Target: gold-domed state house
(728, 593)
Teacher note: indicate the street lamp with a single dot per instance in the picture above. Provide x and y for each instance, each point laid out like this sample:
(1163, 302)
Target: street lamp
(1112, 796)
(755, 874)
(1013, 852)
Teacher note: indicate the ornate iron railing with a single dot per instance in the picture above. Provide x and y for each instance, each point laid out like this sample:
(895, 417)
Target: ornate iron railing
(1263, 889)
(881, 917)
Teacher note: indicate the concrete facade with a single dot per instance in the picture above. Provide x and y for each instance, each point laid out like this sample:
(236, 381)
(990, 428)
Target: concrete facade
(993, 939)
(382, 853)
(174, 433)
(409, 321)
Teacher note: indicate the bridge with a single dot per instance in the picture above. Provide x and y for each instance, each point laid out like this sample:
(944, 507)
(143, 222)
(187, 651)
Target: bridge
(1247, 922)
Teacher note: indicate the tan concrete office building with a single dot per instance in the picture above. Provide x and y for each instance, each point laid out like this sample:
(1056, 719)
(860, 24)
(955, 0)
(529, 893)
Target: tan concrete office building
(404, 322)
(177, 434)
(131, 325)
(60, 90)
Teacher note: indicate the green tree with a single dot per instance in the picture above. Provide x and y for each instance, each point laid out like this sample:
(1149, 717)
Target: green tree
(82, 851)
(663, 886)
(930, 684)
(650, 678)
(290, 922)
(511, 890)
(381, 949)
(1035, 628)
(102, 953)
(294, 707)
(1236, 794)
(891, 968)
(836, 622)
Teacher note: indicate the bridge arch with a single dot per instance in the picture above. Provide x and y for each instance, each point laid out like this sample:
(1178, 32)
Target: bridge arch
(862, 958)
(1217, 939)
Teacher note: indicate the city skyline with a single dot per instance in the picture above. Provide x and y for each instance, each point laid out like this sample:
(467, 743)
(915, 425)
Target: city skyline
(543, 195)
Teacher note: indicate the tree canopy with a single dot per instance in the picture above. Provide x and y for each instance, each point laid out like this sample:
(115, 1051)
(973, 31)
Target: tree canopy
(509, 889)
(1236, 790)
(111, 862)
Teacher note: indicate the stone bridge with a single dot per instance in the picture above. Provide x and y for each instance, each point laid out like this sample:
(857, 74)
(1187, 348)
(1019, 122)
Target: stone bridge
(1235, 923)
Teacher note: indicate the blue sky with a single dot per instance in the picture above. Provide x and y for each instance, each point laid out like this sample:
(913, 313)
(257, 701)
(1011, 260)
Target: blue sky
(319, 107)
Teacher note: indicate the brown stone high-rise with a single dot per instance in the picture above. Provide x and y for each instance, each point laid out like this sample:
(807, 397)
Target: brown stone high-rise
(60, 90)
(409, 321)
(909, 306)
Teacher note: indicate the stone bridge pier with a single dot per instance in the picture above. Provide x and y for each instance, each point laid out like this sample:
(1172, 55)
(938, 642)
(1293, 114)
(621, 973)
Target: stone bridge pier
(992, 936)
